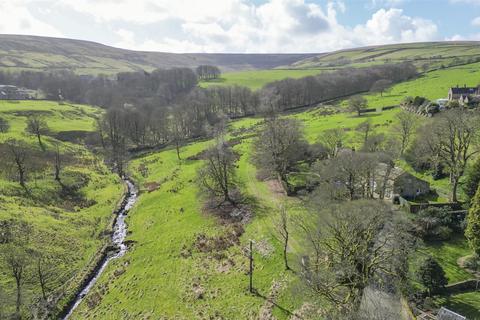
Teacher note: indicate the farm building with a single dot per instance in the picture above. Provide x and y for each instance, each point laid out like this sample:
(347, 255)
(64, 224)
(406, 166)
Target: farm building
(400, 183)
(457, 92)
(8, 92)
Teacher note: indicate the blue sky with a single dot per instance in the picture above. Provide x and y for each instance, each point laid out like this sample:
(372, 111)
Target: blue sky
(259, 26)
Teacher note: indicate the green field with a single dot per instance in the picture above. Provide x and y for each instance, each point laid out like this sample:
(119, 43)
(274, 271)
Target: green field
(256, 79)
(73, 228)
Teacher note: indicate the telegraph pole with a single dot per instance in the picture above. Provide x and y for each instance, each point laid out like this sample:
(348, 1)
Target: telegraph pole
(250, 287)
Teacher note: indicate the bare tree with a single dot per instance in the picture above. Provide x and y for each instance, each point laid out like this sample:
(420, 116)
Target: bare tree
(405, 128)
(356, 251)
(17, 257)
(453, 138)
(177, 129)
(17, 155)
(114, 125)
(357, 104)
(37, 126)
(381, 85)
(283, 230)
(217, 176)
(57, 162)
(332, 139)
(349, 176)
(366, 127)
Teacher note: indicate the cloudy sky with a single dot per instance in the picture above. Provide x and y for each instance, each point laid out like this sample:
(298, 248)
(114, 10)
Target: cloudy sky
(253, 26)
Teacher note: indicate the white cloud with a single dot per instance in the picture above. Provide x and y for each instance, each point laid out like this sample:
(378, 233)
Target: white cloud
(224, 25)
(476, 22)
(15, 18)
(389, 26)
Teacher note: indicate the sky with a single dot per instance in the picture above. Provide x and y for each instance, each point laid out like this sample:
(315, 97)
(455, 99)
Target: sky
(244, 26)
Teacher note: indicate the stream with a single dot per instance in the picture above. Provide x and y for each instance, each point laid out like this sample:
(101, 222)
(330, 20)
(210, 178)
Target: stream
(118, 238)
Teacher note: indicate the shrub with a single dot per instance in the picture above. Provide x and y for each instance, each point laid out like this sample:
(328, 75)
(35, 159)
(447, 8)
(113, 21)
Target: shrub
(435, 224)
(431, 276)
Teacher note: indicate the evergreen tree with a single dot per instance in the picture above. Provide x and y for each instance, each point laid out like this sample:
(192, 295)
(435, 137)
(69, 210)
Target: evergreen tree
(472, 232)
(431, 275)
(472, 180)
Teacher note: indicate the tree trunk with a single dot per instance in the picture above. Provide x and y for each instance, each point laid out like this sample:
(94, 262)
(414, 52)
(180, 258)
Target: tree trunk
(19, 297)
(177, 146)
(285, 246)
(41, 279)
(39, 137)
(454, 189)
(250, 273)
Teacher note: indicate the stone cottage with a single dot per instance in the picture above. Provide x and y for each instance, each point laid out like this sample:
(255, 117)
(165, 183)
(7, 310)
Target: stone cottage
(398, 182)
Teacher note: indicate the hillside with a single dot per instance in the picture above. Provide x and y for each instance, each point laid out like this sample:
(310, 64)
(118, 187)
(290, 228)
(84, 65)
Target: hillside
(70, 215)
(18, 52)
(433, 54)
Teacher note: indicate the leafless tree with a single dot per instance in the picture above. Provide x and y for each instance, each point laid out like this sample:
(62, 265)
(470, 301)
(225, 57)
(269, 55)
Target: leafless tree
(405, 128)
(17, 156)
(279, 146)
(217, 176)
(38, 127)
(381, 85)
(16, 256)
(357, 104)
(366, 127)
(355, 251)
(453, 138)
(177, 129)
(114, 125)
(349, 176)
(332, 139)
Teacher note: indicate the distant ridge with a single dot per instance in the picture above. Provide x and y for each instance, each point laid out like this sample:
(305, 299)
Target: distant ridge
(21, 52)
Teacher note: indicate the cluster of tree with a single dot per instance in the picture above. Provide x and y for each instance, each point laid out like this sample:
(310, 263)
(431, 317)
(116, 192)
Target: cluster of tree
(19, 159)
(129, 87)
(207, 72)
(420, 105)
(355, 245)
(341, 83)
(30, 262)
(448, 141)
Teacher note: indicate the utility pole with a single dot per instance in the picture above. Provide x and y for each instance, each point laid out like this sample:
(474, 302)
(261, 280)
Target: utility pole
(251, 267)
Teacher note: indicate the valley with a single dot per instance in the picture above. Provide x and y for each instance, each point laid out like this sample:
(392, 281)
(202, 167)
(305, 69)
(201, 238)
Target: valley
(187, 251)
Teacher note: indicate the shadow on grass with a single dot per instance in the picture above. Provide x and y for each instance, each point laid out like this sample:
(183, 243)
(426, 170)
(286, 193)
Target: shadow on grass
(284, 310)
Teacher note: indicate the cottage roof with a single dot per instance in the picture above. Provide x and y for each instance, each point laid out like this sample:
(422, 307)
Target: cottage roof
(464, 90)
(445, 314)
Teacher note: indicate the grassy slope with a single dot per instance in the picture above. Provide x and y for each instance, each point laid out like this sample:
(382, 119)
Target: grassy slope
(160, 284)
(73, 229)
(255, 79)
(435, 54)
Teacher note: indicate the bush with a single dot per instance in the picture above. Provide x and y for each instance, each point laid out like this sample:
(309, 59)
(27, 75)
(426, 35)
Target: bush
(436, 224)
(431, 275)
